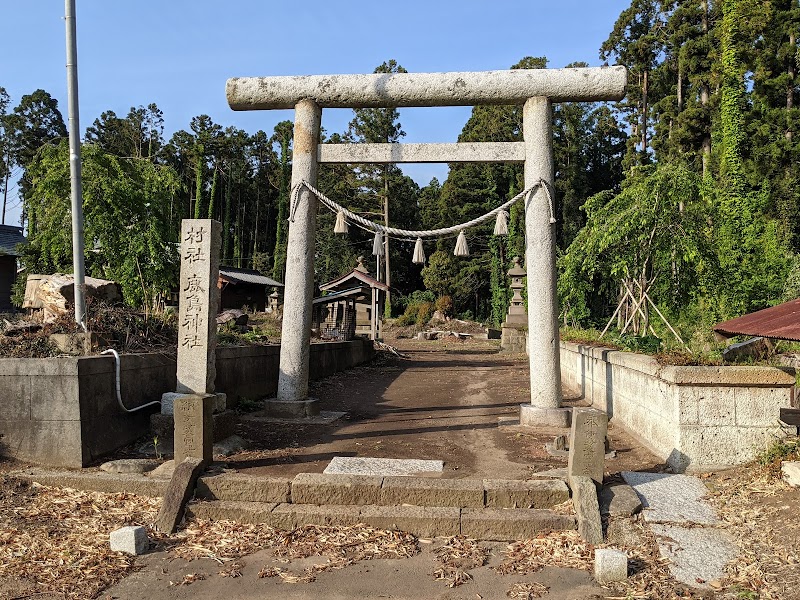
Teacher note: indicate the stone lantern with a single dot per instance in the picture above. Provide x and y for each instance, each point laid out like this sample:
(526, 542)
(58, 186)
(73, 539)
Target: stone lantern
(516, 324)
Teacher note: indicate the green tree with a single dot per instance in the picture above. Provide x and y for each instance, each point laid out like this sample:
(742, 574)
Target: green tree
(282, 137)
(636, 42)
(381, 126)
(126, 221)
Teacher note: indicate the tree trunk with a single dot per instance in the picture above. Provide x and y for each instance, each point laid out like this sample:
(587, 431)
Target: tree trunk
(704, 95)
(645, 86)
(790, 88)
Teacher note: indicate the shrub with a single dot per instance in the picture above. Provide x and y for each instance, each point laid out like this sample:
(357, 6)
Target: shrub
(424, 312)
(444, 304)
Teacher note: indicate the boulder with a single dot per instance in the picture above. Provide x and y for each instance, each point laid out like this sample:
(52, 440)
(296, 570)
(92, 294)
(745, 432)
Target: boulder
(55, 294)
(238, 317)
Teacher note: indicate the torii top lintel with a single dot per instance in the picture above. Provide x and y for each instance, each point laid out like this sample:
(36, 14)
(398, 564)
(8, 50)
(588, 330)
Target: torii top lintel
(428, 89)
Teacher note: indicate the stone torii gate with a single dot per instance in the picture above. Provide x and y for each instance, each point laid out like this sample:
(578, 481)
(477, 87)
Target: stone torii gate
(535, 89)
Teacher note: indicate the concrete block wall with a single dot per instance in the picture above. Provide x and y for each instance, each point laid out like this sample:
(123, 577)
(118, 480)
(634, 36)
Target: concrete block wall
(64, 411)
(695, 418)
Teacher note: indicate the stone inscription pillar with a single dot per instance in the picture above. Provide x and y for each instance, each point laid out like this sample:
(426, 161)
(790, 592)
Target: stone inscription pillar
(201, 240)
(540, 255)
(299, 291)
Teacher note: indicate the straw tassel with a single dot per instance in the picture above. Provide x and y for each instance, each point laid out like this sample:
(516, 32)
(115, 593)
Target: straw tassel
(501, 225)
(419, 253)
(377, 245)
(341, 223)
(461, 245)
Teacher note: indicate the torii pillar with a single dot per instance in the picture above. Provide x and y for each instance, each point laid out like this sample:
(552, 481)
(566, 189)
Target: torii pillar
(535, 89)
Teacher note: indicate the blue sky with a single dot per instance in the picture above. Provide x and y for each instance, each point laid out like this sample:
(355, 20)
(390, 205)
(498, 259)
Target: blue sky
(178, 53)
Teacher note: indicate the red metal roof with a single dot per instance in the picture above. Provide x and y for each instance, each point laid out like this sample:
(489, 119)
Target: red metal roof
(781, 322)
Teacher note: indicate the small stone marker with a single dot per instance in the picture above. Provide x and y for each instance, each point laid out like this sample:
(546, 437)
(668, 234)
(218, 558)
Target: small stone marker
(178, 493)
(194, 428)
(587, 446)
(610, 565)
(130, 540)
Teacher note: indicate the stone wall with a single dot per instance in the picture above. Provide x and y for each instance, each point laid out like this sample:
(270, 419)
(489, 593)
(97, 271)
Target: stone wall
(695, 418)
(64, 411)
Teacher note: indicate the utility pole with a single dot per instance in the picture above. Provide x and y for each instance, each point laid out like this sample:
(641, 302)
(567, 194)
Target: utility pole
(75, 165)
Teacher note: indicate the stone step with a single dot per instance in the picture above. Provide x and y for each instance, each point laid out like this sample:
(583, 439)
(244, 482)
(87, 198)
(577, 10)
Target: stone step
(423, 521)
(317, 488)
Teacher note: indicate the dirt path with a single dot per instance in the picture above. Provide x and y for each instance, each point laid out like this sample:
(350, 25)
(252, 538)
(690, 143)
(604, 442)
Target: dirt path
(461, 407)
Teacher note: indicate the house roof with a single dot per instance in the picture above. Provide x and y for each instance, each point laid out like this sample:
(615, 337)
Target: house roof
(235, 275)
(10, 236)
(358, 275)
(781, 322)
(336, 296)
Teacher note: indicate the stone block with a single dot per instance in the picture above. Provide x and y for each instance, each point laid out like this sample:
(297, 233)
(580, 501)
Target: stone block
(224, 424)
(504, 493)
(317, 488)
(421, 491)
(619, 500)
(194, 435)
(95, 481)
(422, 521)
(791, 472)
(244, 488)
(291, 516)
(533, 416)
(130, 540)
(251, 513)
(178, 493)
(584, 499)
(512, 524)
(715, 406)
(292, 409)
(610, 565)
(130, 465)
(220, 402)
(761, 407)
(587, 444)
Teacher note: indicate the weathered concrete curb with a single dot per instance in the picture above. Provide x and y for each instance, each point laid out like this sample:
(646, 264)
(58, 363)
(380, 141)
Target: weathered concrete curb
(97, 481)
(505, 524)
(419, 491)
(243, 488)
(422, 521)
(505, 493)
(316, 488)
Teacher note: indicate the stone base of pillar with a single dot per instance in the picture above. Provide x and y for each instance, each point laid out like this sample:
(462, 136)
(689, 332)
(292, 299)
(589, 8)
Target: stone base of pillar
(292, 409)
(194, 427)
(533, 416)
(514, 339)
(219, 403)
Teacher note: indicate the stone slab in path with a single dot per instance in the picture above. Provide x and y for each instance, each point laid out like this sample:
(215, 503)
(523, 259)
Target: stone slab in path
(697, 555)
(670, 498)
(683, 525)
(356, 465)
